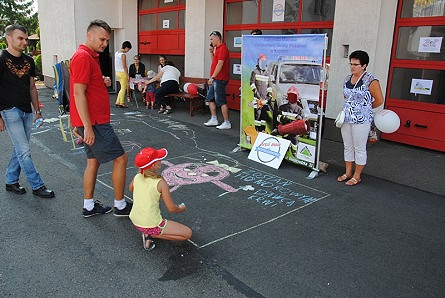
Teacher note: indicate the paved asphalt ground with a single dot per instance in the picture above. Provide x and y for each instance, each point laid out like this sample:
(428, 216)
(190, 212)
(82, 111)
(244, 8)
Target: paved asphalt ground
(258, 232)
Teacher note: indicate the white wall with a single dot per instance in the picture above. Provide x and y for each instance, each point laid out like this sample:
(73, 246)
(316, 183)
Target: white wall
(57, 32)
(202, 17)
(362, 26)
(63, 26)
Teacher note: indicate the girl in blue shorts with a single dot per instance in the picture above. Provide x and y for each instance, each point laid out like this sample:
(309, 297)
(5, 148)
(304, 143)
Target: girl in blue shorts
(148, 187)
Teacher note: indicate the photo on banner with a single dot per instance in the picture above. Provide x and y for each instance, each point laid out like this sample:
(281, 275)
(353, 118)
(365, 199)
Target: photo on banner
(281, 81)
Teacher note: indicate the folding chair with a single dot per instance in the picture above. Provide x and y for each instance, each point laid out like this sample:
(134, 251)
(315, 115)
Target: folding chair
(61, 92)
(133, 93)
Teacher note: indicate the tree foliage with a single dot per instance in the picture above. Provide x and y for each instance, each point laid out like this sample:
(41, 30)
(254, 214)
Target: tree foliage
(18, 12)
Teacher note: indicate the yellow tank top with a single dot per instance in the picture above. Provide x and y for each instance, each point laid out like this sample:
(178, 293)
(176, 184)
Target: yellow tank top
(145, 212)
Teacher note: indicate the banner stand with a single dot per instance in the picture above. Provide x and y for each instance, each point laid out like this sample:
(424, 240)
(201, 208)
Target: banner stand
(319, 165)
(283, 93)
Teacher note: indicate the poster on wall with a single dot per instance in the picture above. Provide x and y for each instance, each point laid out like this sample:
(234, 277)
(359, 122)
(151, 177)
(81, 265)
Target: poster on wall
(278, 10)
(237, 42)
(430, 44)
(281, 81)
(236, 69)
(419, 86)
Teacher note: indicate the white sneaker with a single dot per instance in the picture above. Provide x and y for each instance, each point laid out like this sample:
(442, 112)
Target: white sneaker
(211, 122)
(225, 125)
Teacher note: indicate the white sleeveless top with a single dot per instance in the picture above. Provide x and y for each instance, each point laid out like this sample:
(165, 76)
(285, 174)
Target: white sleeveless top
(118, 62)
(171, 73)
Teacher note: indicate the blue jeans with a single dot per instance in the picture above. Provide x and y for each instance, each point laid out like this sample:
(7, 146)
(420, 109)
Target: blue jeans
(217, 92)
(18, 125)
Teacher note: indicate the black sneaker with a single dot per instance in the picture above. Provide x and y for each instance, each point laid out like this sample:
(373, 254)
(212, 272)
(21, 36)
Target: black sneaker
(97, 209)
(16, 188)
(125, 211)
(44, 192)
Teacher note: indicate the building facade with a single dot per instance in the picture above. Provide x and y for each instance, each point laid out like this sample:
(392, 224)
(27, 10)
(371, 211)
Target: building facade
(402, 37)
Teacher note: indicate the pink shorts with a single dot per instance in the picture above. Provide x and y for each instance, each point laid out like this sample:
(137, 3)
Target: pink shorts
(154, 231)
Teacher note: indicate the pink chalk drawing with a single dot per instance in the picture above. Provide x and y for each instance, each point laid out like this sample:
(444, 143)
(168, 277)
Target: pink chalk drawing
(195, 173)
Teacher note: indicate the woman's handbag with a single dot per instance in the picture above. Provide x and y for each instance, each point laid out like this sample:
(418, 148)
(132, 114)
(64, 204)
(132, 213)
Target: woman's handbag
(340, 119)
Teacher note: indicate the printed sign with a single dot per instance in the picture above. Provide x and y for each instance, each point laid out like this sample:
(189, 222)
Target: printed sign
(237, 42)
(165, 24)
(278, 10)
(168, 1)
(306, 152)
(419, 86)
(237, 69)
(269, 150)
(430, 44)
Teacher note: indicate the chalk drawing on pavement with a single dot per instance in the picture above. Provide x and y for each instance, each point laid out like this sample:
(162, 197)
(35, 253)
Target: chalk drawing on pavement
(195, 173)
(122, 131)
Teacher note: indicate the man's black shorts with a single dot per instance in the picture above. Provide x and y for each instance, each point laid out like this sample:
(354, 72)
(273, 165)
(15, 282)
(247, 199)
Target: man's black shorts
(106, 146)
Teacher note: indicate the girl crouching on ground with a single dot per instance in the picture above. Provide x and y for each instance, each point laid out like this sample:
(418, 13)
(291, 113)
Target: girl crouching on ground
(148, 187)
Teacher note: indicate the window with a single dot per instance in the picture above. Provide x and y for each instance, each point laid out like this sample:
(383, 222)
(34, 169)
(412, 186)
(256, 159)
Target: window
(404, 76)
(423, 8)
(241, 12)
(290, 11)
(421, 43)
(318, 10)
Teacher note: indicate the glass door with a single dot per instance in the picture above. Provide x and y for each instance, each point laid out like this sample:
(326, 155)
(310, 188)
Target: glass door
(416, 85)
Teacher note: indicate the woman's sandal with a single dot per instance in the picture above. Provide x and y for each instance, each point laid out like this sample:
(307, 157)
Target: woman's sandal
(150, 244)
(161, 110)
(343, 177)
(167, 111)
(353, 181)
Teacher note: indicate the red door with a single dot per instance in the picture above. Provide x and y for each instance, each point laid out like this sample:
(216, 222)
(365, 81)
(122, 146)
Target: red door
(242, 16)
(161, 27)
(416, 85)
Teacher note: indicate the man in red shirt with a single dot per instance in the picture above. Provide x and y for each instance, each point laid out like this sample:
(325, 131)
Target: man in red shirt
(219, 77)
(90, 113)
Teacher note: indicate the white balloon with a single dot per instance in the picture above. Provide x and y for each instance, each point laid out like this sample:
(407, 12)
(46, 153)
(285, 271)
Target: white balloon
(387, 121)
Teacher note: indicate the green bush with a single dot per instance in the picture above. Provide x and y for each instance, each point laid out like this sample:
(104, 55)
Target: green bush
(38, 62)
(3, 45)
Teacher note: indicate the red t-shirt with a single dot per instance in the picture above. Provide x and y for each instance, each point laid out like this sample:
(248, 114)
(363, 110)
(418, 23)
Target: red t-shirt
(85, 69)
(221, 53)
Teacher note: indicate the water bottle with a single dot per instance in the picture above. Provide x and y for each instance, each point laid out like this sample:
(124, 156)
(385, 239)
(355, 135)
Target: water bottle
(37, 123)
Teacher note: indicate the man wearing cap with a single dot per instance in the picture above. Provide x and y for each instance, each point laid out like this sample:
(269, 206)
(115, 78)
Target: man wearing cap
(90, 112)
(219, 77)
(18, 93)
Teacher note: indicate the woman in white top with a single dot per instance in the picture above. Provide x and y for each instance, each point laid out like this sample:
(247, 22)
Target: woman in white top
(169, 76)
(120, 62)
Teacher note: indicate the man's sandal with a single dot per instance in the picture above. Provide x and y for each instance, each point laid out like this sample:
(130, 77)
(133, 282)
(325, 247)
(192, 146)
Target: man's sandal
(353, 182)
(343, 177)
(147, 246)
